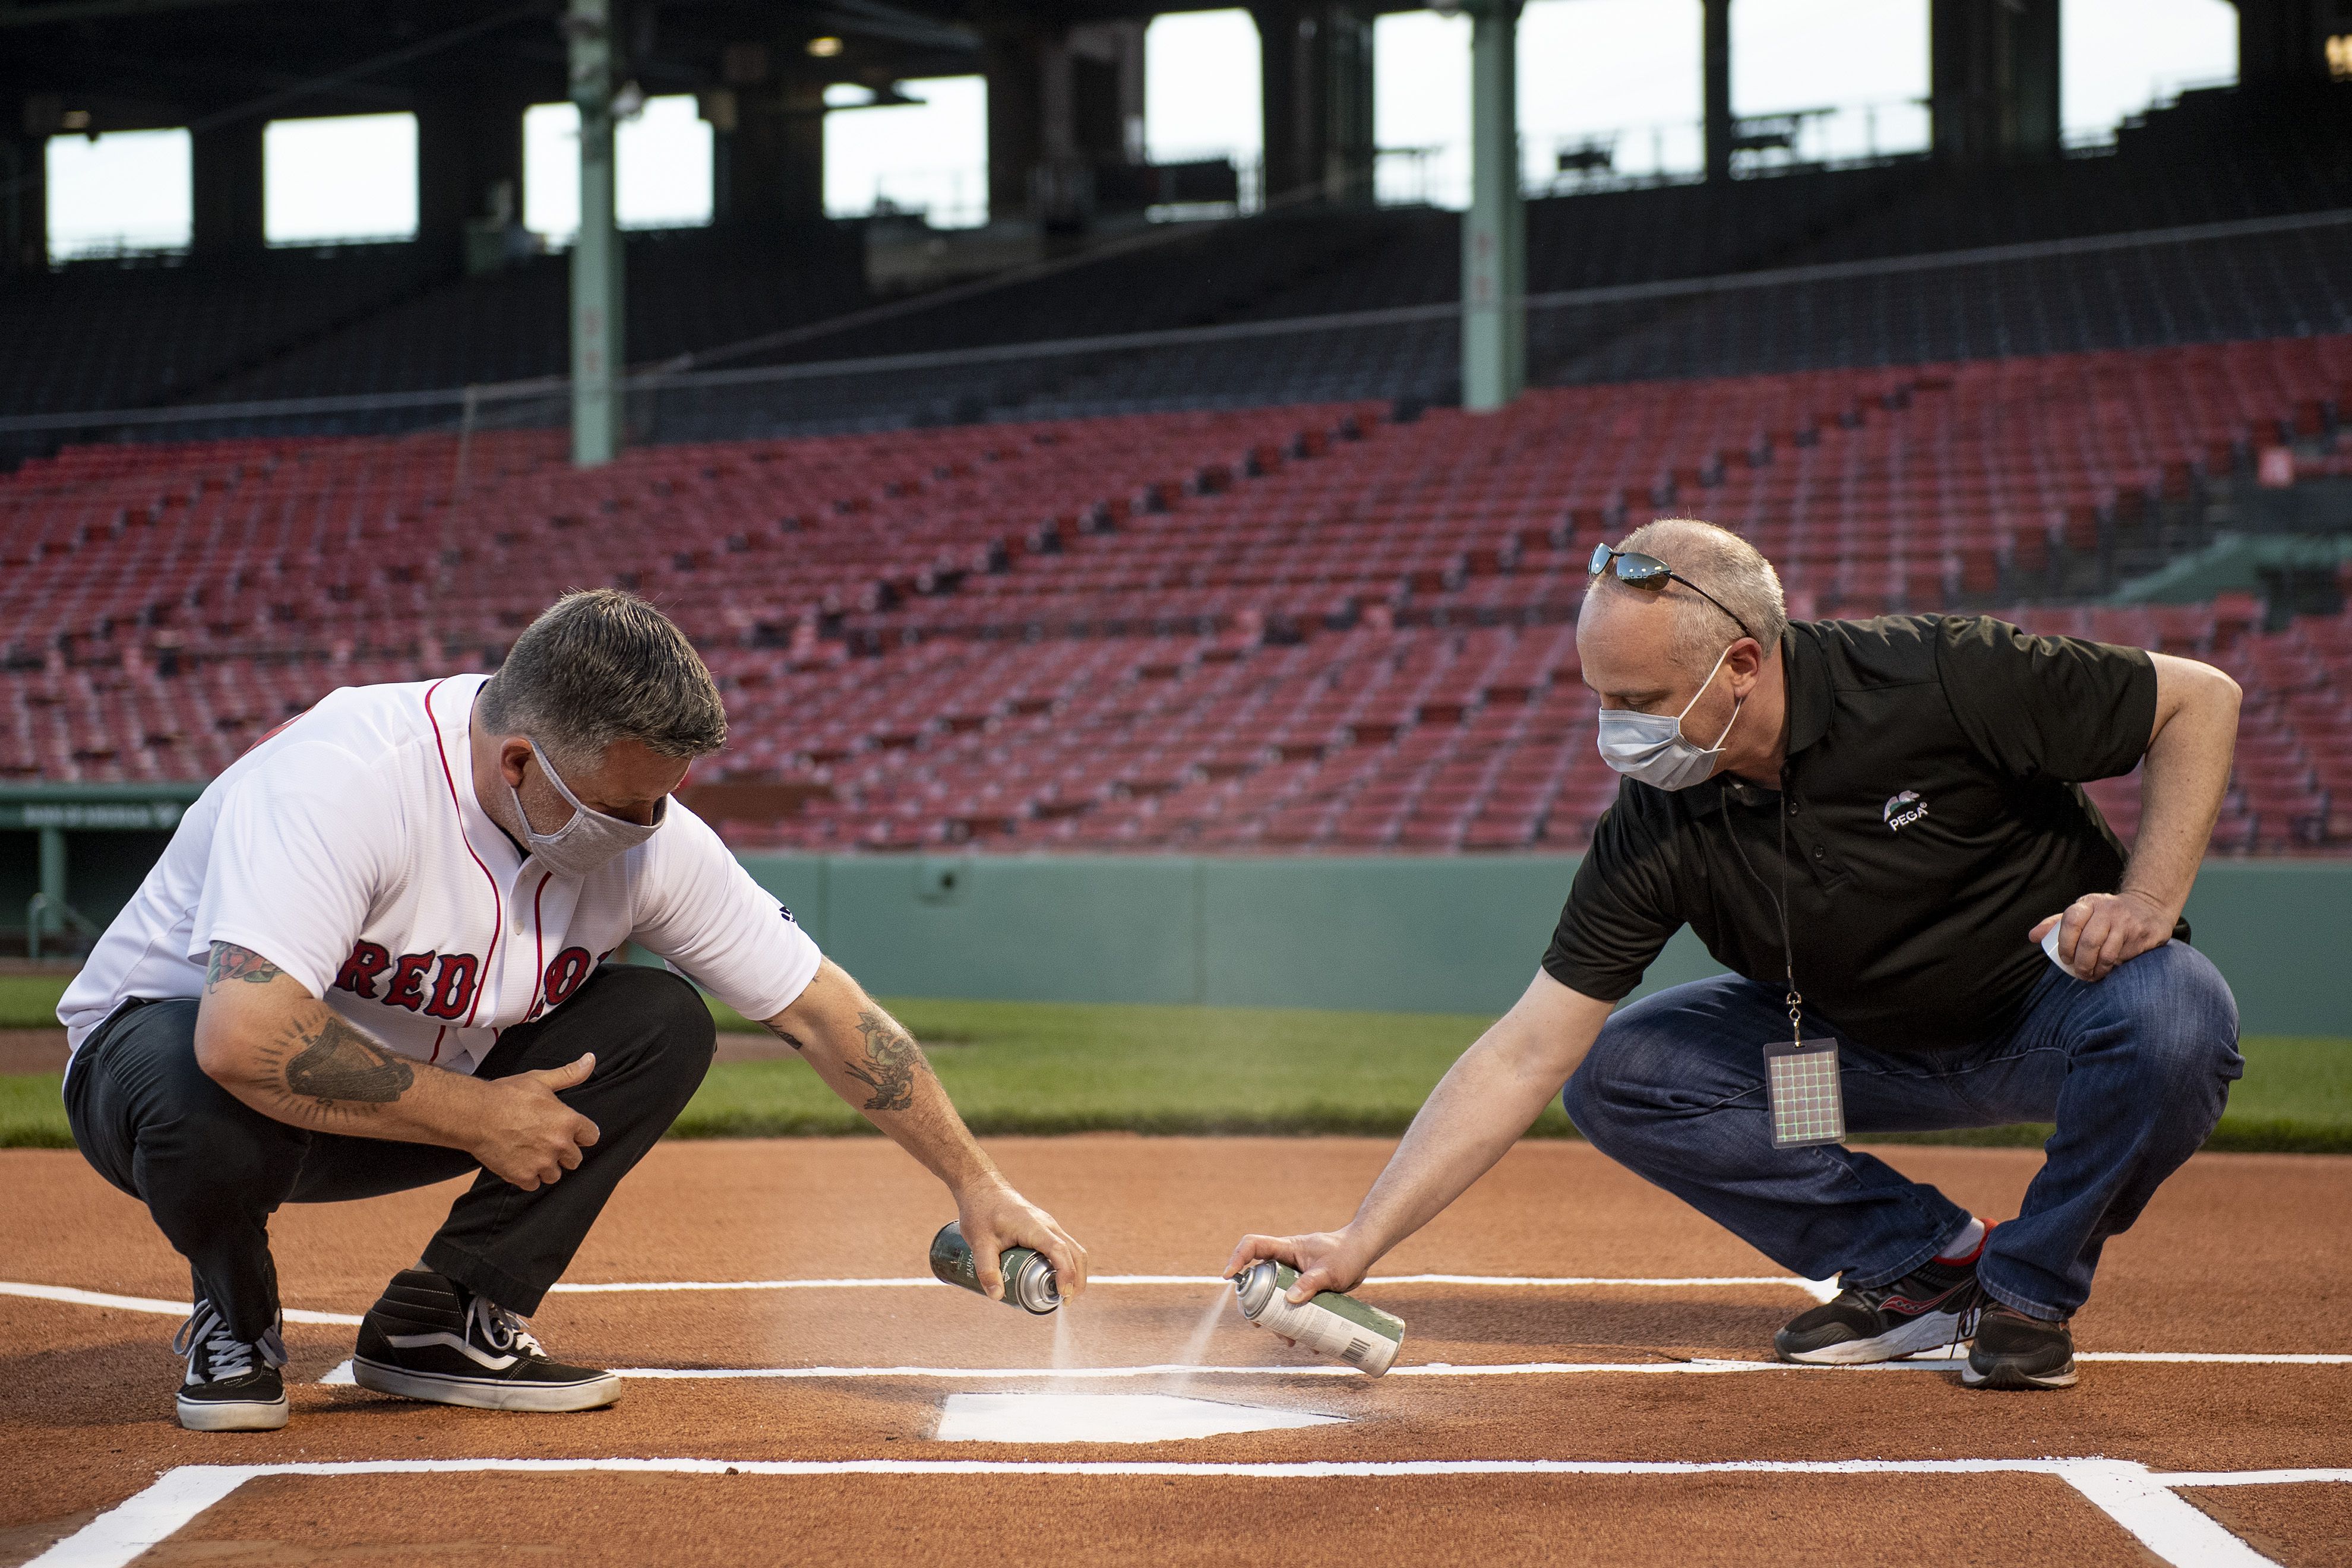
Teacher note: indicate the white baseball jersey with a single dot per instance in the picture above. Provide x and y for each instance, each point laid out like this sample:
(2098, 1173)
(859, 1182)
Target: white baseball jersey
(349, 849)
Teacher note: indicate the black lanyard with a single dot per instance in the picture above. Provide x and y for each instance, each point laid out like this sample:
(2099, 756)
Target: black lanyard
(1780, 903)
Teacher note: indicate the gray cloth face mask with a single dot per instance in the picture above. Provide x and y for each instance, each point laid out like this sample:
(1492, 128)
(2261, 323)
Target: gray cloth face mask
(1652, 749)
(591, 840)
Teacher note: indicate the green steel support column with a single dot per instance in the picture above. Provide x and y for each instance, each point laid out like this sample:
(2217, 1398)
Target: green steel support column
(53, 880)
(598, 335)
(1494, 231)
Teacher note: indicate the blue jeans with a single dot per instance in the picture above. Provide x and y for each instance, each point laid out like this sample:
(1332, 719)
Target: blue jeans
(2133, 1071)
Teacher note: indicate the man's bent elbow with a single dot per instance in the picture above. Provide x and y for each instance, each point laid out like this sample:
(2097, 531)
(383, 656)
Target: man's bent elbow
(221, 1053)
(2221, 688)
(2215, 690)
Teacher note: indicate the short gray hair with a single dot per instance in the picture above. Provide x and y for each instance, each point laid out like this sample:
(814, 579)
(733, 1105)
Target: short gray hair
(600, 666)
(1727, 566)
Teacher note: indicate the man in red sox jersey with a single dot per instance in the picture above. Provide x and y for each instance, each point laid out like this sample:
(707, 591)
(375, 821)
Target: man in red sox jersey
(370, 960)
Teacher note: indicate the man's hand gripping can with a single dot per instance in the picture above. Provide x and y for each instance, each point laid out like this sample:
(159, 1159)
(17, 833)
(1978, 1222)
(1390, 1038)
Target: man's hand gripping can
(1029, 1282)
(1335, 1327)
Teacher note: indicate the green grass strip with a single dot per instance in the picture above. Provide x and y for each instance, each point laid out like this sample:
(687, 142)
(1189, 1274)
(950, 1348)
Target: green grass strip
(30, 1001)
(31, 1114)
(1053, 1067)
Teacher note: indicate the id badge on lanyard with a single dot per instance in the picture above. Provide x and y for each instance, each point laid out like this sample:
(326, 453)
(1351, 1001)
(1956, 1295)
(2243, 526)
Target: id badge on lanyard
(1801, 1077)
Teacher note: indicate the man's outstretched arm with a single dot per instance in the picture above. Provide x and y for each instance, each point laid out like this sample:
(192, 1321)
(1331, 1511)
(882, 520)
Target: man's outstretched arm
(867, 1058)
(1478, 1109)
(261, 1035)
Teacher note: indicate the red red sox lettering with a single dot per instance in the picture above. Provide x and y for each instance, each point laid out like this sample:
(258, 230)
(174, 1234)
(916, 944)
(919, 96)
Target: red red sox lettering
(441, 985)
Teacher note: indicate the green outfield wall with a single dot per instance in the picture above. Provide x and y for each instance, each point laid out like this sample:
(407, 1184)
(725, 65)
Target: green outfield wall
(1452, 934)
(1401, 933)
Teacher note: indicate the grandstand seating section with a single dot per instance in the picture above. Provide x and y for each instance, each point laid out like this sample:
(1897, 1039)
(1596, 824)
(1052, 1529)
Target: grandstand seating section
(1313, 626)
(296, 322)
(381, 319)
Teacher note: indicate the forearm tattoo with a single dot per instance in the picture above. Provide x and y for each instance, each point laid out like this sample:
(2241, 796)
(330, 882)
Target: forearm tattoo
(892, 1059)
(230, 962)
(788, 1037)
(338, 1069)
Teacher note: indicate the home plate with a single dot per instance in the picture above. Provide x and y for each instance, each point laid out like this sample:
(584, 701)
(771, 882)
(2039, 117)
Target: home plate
(1106, 1418)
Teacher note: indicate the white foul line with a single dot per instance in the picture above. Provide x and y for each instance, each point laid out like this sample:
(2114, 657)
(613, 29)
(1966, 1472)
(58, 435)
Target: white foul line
(2140, 1501)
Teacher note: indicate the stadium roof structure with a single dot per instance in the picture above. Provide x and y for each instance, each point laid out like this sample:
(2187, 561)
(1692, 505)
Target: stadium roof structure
(122, 64)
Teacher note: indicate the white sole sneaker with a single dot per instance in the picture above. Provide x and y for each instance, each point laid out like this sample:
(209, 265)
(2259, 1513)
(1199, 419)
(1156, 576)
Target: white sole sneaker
(1928, 1331)
(486, 1392)
(233, 1414)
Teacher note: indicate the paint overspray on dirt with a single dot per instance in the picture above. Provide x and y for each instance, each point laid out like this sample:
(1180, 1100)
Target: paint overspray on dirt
(1066, 1355)
(1204, 1330)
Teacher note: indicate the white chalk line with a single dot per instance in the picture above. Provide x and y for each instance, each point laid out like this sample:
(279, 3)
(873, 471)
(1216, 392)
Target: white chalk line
(1710, 1364)
(2142, 1501)
(340, 1376)
(72, 1297)
(1821, 1288)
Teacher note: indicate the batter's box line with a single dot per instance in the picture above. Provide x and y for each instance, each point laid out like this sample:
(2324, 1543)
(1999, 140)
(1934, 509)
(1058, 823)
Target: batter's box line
(339, 1376)
(2145, 1502)
(1820, 1289)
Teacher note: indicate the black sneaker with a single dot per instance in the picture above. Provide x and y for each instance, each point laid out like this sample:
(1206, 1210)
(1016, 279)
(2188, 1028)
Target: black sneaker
(2013, 1350)
(1934, 1305)
(429, 1338)
(232, 1384)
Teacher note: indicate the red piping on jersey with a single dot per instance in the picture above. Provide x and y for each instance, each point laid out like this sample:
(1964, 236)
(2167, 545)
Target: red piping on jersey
(538, 945)
(437, 1037)
(498, 902)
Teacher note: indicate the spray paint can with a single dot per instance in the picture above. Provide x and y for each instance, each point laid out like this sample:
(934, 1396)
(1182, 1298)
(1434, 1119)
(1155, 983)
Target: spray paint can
(1335, 1327)
(1028, 1278)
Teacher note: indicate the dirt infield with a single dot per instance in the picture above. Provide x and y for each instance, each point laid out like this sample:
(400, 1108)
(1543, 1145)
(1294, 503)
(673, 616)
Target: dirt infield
(33, 1050)
(1586, 1419)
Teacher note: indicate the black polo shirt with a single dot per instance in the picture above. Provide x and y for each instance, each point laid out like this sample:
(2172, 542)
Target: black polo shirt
(1933, 817)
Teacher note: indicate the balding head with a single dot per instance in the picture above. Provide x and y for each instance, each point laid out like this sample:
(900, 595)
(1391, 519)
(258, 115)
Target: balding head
(1718, 560)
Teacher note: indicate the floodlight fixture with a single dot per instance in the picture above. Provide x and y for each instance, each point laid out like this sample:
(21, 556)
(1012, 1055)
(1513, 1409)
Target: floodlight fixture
(825, 48)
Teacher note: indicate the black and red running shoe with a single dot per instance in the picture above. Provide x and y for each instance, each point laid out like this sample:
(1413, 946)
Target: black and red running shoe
(2014, 1350)
(1936, 1304)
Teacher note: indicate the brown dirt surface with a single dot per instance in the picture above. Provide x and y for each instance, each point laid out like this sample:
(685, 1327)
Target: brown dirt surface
(32, 1051)
(623, 1520)
(2239, 1253)
(2305, 1526)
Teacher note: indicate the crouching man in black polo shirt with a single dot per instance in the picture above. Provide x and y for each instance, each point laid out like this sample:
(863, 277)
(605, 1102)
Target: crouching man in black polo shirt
(1881, 818)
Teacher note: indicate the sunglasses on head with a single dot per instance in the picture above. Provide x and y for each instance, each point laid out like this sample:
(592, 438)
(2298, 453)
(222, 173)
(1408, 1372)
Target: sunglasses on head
(1650, 576)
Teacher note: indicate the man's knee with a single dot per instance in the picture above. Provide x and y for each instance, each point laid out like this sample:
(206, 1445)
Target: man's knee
(213, 1160)
(1615, 1089)
(2176, 1020)
(176, 1133)
(659, 1009)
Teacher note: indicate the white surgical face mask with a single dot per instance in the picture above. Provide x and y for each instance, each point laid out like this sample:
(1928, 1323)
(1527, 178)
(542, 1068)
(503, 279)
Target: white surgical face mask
(591, 838)
(1652, 748)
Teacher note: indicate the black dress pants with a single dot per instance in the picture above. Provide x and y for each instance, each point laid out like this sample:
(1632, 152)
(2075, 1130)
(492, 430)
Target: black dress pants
(212, 1170)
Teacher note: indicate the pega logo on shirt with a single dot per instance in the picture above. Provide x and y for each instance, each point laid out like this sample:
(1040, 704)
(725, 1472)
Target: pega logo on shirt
(1903, 810)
